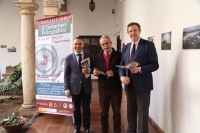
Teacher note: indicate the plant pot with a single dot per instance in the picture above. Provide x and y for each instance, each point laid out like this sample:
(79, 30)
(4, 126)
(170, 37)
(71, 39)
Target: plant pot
(13, 128)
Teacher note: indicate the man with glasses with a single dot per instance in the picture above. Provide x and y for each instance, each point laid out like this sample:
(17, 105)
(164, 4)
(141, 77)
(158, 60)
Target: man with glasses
(109, 84)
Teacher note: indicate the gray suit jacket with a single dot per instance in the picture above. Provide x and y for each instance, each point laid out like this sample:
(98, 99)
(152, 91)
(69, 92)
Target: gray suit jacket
(73, 78)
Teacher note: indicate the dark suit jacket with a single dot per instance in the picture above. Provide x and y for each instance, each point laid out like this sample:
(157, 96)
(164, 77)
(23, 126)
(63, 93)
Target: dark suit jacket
(73, 77)
(146, 56)
(103, 80)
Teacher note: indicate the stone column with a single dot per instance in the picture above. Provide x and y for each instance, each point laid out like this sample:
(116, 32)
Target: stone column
(27, 8)
(51, 8)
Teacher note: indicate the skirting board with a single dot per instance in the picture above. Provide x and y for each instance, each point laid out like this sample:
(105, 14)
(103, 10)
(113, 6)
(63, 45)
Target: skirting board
(151, 121)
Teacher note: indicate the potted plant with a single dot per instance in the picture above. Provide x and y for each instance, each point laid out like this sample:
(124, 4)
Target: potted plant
(12, 82)
(13, 123)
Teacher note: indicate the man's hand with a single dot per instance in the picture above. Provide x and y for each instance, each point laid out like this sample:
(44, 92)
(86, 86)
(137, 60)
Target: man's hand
(125, 80)
(85, 70)
(134, 70)
(68, 94)
(96, 72)
(110, 73)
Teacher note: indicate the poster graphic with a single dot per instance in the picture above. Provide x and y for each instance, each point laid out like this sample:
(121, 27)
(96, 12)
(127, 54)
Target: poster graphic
(191, 37)
(53, 43)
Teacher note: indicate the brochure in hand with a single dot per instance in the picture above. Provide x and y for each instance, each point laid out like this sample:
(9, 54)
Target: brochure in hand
(86, 62)
(100, 71)
(128, 65)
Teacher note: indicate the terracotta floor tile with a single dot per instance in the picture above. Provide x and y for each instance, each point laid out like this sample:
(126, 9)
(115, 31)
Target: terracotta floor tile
(98, 119)
(153, 131)
(95, 108)
(62, 119)
(42, 121)
(37, 129)
(58, 129)
(95, 104)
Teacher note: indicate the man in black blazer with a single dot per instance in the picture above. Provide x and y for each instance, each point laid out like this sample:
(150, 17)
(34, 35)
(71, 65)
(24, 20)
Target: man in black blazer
(109, 84)
(138, 81)
(77, 83)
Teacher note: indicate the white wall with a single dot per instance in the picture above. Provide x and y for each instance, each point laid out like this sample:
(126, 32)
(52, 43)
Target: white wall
(175, 100)
(10, 32)
(99, 22)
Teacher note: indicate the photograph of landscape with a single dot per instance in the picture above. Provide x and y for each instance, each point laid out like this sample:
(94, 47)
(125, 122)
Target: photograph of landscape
(191, 37)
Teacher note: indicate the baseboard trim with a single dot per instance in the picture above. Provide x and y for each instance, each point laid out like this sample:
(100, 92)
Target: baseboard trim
(151, 121)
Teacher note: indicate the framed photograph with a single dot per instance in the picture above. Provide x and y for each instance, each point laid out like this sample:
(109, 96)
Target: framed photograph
(3, 46)
(151, 38)
(0, 72)
(166, 41)
(12, 49)
(191, 37)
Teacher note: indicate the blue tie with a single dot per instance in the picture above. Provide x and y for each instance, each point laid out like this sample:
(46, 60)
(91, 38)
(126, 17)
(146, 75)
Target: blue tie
(79, 62)
(133, 52)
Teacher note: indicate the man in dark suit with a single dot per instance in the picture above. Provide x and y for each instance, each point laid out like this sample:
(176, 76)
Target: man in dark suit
(77, 83)
(138, 80)
(110, 88)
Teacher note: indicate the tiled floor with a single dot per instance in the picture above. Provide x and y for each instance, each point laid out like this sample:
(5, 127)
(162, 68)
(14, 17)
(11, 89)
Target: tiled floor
(48, 123)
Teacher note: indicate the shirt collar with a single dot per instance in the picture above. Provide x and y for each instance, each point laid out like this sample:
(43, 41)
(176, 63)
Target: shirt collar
(108, 52)
(78, 53)
(137, 42)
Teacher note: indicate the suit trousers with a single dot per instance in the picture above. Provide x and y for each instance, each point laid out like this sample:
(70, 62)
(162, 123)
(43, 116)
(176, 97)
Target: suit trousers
(137, 105)
(111, 96)
(81, 99)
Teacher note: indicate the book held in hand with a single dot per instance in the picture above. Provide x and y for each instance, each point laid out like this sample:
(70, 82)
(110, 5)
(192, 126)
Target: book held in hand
(129, 65)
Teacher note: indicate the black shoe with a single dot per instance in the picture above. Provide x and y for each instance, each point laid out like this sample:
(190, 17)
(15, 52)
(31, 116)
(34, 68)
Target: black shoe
(76, 131)
(87, 131)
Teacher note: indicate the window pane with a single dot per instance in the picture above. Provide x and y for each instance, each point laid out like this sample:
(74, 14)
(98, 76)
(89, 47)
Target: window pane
(86, 42)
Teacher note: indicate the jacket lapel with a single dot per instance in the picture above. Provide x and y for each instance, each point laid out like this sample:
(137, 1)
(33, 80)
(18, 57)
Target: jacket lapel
(75, 61)
(127, 54)
(138, 49)
(84, 55)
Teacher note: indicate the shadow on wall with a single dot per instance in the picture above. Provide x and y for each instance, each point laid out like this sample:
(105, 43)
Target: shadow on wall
(176, 96)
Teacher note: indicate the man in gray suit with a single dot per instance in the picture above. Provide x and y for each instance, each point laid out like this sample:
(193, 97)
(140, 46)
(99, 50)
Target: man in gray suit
(77, 83)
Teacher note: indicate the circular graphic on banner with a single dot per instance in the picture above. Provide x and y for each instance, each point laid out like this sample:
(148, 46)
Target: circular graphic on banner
(46, 59)
(64, 105)
(70, 106)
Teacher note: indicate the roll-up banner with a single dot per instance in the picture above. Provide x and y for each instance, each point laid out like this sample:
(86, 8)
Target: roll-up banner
(53, 42)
